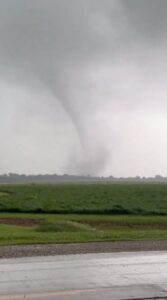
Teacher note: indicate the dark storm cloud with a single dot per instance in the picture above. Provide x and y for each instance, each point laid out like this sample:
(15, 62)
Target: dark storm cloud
(147, 17)
(92, 58)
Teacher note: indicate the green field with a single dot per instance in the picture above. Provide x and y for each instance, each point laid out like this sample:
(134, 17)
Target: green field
(149, 199)
(81, 213)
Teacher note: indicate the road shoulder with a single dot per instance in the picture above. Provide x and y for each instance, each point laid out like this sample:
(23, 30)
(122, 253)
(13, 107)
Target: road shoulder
(80, 248)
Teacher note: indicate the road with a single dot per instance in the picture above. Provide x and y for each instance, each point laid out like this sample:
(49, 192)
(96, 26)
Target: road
(135, 275)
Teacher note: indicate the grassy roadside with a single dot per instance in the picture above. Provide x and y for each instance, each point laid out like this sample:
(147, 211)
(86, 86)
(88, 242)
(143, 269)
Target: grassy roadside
(81, 228)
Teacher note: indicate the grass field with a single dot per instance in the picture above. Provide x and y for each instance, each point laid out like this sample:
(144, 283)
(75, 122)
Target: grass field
(80, 213)
(81, 228)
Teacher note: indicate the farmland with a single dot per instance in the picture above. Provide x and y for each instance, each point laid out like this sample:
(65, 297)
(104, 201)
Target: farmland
(85, 199)
(82, 212)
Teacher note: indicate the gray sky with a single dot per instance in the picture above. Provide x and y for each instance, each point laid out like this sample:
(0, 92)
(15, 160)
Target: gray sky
(83, 87)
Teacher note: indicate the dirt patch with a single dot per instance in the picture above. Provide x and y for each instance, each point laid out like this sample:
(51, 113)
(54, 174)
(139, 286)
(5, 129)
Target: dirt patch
(21, 222)
(125, 225)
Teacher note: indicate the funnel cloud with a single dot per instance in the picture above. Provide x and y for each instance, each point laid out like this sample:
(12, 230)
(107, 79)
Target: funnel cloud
(83, 87)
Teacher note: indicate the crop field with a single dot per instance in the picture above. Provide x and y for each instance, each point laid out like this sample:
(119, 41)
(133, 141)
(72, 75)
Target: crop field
(138, 199)
(80, 213)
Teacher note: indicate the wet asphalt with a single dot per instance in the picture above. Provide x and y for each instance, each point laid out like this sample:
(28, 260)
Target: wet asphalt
(126, 275)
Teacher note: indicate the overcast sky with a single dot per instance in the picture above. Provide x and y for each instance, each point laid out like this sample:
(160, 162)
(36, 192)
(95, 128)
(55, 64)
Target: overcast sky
(83, 87)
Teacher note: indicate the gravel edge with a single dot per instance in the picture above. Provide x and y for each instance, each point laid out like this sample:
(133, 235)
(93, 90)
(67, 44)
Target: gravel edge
(80, 248)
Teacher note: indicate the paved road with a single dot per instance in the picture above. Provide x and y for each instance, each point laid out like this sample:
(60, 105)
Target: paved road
(137, 275)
